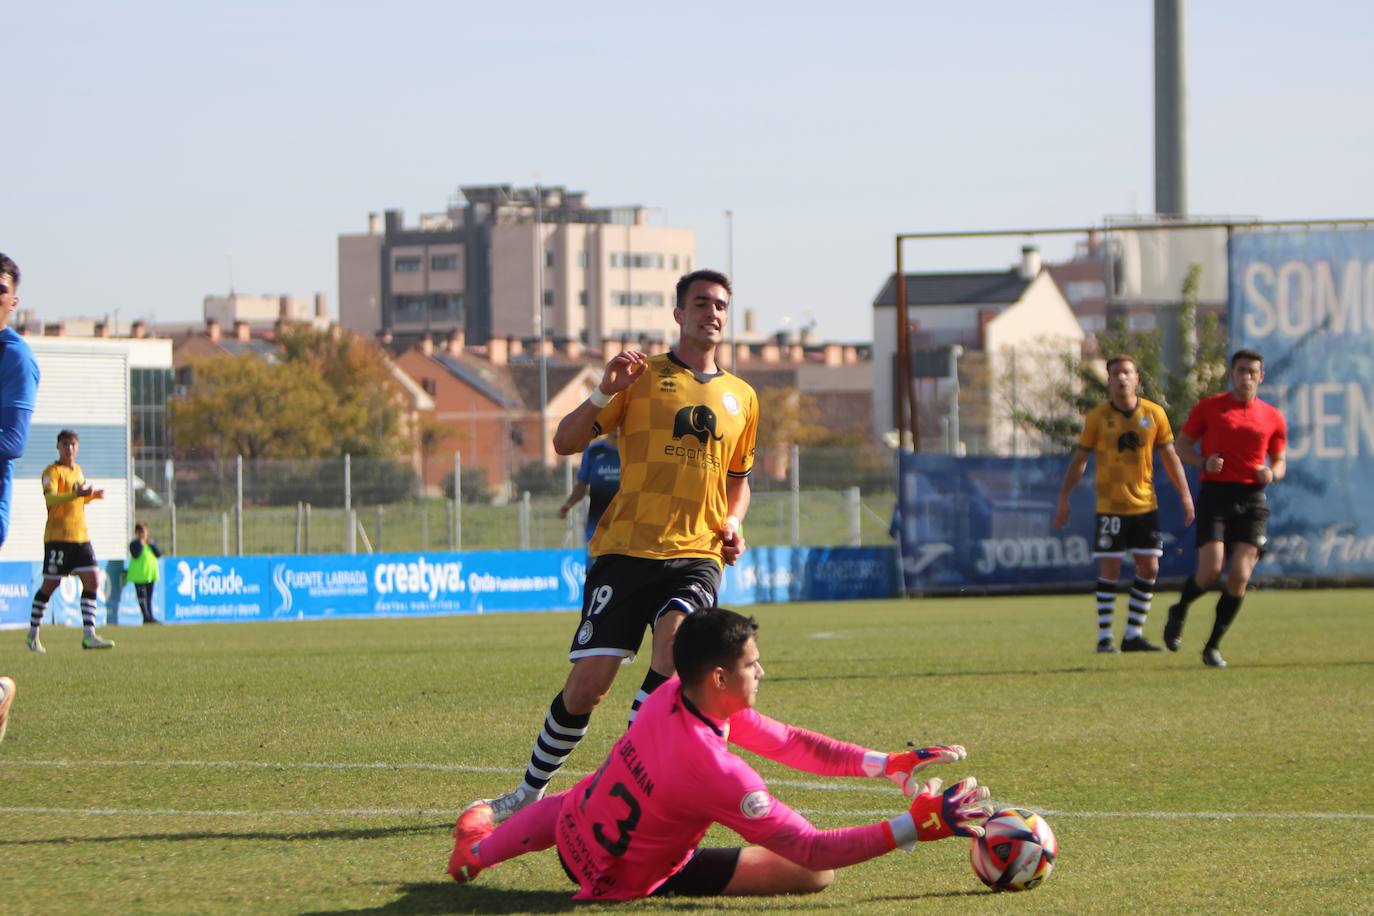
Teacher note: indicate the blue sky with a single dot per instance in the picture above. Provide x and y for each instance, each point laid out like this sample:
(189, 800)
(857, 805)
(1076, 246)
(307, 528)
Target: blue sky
(144, 140)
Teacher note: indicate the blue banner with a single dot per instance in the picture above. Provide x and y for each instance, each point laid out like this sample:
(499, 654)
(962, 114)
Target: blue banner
(984, 523)
(398, 585)
(223, 589)
(771, 575)
(20, 580)
(1305, 301)
(200, 589)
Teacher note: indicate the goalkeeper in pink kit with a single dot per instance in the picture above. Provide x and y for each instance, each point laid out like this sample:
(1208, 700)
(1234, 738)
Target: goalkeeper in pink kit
(631, 829)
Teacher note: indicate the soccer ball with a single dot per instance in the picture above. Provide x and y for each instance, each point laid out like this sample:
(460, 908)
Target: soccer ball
(1016, 851)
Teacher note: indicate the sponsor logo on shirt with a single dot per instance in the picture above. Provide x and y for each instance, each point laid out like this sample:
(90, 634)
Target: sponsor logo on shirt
(731, 403)
(756, 804)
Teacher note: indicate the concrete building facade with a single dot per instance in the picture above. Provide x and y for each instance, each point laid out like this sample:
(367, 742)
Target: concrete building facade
(984, 345)
(607, 272)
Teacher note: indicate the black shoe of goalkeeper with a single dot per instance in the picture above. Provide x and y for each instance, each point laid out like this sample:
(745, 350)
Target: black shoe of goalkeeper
(1139, 644)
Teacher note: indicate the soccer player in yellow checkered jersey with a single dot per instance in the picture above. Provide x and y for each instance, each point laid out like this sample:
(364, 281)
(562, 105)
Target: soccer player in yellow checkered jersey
(687, 434)
(67, 549)
(1123, 434)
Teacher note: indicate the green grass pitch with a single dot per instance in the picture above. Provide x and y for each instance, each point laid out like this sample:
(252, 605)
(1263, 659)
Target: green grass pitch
(317, 767)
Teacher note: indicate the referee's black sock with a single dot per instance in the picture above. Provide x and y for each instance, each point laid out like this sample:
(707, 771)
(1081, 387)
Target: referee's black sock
(1191, 592)
(1228, 606)
(557, 739)
(652, 681)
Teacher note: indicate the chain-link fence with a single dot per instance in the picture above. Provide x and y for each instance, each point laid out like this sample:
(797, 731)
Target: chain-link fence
(818, 496)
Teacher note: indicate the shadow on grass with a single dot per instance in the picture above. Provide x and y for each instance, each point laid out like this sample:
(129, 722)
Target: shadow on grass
(933, 895)
(360, 833)
(448, 897)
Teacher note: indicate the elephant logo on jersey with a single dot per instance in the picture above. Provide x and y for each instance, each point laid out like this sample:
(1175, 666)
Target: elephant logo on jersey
(698, 421)
(1128, 441)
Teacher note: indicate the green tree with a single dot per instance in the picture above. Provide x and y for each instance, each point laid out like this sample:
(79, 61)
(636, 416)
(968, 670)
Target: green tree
(328, 394)
(367, 408)
(1059, 417)
(243, 405)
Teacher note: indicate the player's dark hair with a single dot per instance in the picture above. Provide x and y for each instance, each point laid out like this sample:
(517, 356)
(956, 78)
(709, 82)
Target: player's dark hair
(1246, 353)
(139, 526)
(7, 266)
(67, 434)
(1122, 358)
(710, 276)
(710, 638)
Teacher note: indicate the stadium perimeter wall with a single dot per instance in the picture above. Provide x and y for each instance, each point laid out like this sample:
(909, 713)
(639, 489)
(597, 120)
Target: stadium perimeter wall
(210, 589)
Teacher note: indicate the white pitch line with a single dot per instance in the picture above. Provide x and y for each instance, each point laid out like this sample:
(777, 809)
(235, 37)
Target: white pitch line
(469, 768)
(273, 812)
(430, 767)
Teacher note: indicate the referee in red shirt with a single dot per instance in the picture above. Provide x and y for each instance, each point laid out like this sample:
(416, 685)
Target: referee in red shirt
(1229, 436)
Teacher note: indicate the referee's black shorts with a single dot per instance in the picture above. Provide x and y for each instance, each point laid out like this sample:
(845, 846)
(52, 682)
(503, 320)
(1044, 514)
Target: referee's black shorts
(1233, 513)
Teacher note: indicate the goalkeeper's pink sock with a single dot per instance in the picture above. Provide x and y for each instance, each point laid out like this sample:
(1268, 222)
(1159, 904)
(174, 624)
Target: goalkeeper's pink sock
(528, 830)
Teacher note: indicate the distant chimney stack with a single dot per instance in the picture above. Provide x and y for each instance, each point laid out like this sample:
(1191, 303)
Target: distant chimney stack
(770, 352)
(426, 346)
(498, 351)
(456, 342)
(242, 332)
(102, 329)
(515, 346)
(321, 306)
(212, 330)
(1030, 262)
(139, 329)
(834, 354)
(374, 224)
(572, 348)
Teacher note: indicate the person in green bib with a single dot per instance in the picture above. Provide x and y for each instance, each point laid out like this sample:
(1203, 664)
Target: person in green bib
(142, 570)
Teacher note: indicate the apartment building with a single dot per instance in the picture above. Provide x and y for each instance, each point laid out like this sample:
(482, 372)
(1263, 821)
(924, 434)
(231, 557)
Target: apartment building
(498, 256)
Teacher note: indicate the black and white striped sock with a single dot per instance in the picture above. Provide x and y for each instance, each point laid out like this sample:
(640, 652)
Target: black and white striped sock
(88, 605)
(652, 681)
(557, 739)
(1142, 593)
(1106, 602)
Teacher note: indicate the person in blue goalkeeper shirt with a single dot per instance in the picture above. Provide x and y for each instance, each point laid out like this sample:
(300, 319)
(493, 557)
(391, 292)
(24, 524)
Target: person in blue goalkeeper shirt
(599, 475)
(18, 397)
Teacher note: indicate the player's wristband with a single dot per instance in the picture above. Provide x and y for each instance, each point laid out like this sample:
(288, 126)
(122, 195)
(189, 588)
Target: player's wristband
(599, 398)
(733, 521)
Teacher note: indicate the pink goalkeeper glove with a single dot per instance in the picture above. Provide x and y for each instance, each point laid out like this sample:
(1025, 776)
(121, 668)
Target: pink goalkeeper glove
(902, 768)
(955, 812)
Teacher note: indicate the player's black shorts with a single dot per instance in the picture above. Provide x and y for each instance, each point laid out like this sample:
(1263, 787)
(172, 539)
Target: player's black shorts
(706, 874)
(64, 558)
(1138, 534)
(623, 595)
(1233, 513)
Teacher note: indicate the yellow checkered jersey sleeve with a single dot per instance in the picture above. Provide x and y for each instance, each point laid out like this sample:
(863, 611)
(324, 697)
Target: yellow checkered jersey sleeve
(66, 522)
(681, 436)
(1124, 445)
